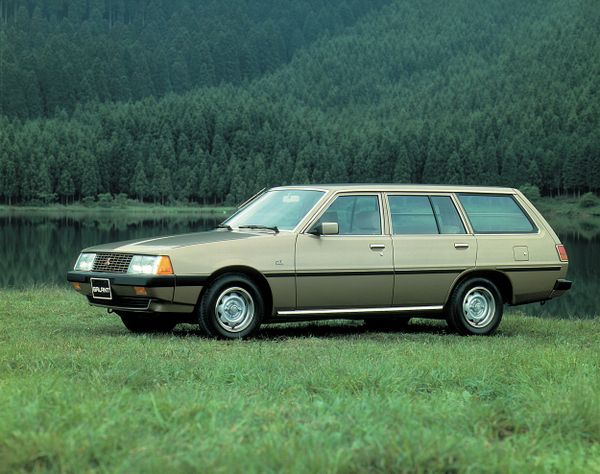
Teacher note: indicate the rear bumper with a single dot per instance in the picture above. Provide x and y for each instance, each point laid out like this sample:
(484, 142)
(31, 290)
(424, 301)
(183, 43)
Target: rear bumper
(161, 295)
(560, 287)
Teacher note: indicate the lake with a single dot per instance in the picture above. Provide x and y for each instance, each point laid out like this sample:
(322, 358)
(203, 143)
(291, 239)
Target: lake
(39, 247)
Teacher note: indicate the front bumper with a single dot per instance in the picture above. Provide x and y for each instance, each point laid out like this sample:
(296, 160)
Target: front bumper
(139, 293)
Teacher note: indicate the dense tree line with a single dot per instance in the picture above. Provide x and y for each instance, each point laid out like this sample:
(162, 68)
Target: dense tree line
(501, 92)
(56, 54)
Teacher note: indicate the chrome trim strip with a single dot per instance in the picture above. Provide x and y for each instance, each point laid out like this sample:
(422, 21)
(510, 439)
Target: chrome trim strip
(395, 309)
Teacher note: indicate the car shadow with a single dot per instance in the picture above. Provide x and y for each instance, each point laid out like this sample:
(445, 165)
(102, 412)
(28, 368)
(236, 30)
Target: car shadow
(328, 329)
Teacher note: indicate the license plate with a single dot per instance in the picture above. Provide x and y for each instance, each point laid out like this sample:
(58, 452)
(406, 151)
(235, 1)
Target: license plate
(101, 288)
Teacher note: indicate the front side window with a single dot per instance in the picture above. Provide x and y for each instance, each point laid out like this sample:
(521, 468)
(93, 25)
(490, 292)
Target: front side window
(283, 208)
(495, 214)
(355, 215)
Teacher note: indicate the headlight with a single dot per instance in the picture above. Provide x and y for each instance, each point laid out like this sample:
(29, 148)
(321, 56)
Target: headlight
(85, 262)
(150, 265)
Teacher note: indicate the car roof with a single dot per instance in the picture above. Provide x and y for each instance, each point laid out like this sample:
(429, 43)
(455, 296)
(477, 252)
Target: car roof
(429, 188)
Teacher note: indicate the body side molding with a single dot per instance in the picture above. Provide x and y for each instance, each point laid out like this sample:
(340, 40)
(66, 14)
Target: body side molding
(392, 309)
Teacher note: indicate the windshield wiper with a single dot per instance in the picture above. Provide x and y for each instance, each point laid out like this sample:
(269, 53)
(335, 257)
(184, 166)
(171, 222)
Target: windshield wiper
(224, 226)
(256, 226)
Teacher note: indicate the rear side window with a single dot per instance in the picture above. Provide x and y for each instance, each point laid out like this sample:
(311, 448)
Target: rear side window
(447, 215)
(412, 215)
(494, 214)
(424, 215)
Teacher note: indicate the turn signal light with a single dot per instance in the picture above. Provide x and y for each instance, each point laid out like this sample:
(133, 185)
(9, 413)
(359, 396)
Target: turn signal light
(76, 285)
(164, 266)
(140, 291)
(562, 253)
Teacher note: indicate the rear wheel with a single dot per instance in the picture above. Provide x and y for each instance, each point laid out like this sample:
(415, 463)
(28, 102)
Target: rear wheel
(231, 308)
(144, 322)
(475, 307)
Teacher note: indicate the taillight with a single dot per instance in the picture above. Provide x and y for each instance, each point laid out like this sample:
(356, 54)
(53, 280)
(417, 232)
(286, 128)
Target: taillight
(562, 253)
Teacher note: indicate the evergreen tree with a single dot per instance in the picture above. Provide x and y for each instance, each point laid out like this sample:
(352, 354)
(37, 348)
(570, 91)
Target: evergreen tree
(402, 168)
(8, 178)
(66, 187)
(140, 182)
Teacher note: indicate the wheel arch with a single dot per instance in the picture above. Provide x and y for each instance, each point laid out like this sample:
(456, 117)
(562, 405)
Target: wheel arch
(500, 279)
(253, 274)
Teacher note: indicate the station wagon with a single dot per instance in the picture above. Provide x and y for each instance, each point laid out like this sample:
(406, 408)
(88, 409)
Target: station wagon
(379, 253)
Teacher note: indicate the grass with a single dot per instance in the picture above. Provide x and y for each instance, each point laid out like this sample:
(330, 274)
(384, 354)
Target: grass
(553, 207)
(79, 393)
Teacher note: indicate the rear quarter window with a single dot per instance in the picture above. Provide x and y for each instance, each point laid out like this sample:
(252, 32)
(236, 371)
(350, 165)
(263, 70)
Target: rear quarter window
(495, 214)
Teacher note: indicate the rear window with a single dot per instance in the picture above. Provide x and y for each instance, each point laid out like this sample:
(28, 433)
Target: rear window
(495, 214)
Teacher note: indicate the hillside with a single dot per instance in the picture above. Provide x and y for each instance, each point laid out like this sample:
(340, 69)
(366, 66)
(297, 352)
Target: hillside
(55, 55)
(496, 92)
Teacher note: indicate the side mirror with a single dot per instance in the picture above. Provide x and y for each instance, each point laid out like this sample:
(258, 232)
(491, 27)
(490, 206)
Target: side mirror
(326, 228)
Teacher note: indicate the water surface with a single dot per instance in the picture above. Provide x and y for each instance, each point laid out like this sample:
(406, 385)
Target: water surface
(39, 248)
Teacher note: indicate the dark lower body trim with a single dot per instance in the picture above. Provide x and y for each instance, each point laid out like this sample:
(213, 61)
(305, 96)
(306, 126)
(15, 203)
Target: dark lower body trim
(562, 285)
(530, 269)
(150, 281)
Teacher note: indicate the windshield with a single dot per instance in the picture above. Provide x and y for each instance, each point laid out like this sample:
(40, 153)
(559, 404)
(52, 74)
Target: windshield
(283, 209)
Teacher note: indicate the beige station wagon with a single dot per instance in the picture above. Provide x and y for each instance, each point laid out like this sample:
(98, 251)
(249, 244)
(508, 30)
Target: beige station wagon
(382, 253)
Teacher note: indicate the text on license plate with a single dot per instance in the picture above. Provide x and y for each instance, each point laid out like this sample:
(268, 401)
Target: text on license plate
(101, 288)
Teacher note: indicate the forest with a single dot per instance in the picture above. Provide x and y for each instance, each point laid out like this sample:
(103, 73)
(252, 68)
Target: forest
(207, 102)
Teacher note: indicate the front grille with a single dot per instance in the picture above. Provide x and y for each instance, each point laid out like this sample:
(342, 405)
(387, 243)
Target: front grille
(123, 302)
(112, 262)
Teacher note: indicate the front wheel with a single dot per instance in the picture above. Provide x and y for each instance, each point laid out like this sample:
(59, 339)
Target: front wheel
(475, 307)
(231, 308)
(143, 322)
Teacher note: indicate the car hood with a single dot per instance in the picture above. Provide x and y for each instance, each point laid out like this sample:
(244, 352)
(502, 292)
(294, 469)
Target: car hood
(162, 244)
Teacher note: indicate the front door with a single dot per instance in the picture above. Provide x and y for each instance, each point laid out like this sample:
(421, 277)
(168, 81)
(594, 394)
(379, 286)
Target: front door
(353, 269)
(431, 248)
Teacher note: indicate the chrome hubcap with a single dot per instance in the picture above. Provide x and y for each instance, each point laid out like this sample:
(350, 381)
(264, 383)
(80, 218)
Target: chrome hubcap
(479, 307)
(234, 309)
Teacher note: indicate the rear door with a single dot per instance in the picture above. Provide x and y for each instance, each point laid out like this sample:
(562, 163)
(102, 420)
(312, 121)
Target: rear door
(431, 247)
(353, 269)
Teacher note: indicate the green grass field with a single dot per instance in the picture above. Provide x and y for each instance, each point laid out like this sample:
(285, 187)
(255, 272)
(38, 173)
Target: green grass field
(79, 393)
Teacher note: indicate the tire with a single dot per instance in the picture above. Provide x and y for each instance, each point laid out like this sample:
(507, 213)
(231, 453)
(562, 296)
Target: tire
(475, 307)
(144, 322)
(231, 308)
(386, 324)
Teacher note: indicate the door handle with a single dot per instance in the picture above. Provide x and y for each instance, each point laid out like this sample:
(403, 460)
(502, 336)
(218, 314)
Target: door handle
(458, 245)
(377, 246)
